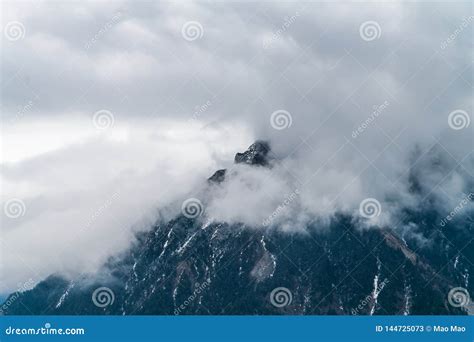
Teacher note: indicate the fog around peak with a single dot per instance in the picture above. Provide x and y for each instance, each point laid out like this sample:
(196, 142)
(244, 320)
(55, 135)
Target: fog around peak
(114, 113)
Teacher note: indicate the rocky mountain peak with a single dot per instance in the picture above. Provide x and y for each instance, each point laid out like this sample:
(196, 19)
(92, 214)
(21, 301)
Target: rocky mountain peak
(256, 154)
(238, 268)
(218, 176)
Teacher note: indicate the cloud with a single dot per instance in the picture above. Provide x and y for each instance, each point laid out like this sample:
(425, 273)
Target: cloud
(84, 201)
(182, 108)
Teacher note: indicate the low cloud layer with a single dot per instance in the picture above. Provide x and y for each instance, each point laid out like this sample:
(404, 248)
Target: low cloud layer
(69, 209)
(114, 111)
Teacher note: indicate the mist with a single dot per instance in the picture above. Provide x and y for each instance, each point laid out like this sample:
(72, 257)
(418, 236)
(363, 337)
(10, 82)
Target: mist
(115, 113)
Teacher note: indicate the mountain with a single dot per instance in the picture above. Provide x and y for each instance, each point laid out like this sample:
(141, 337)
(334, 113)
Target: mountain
(192, 265)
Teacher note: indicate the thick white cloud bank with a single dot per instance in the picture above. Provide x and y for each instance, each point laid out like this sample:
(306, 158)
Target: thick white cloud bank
(362, 96)
(82, 202)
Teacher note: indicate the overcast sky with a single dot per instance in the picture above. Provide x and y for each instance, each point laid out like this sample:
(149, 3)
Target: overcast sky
(112, 111)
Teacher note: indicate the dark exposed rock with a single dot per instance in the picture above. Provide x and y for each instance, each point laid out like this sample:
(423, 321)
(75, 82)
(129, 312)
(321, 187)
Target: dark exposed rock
(257, 154)
(218, 176)
(236, 269)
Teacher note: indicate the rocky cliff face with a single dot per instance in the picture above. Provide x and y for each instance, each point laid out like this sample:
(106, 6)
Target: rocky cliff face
(195, 266)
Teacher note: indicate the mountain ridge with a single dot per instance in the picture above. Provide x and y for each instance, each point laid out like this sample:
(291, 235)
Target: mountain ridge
(237, 268)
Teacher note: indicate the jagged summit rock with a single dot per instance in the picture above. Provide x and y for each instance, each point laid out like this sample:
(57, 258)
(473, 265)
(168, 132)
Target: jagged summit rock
(218, 176)
(256, 154)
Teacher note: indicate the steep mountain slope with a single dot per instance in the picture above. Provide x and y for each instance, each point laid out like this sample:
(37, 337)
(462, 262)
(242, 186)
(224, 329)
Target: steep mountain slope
(193, 265)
